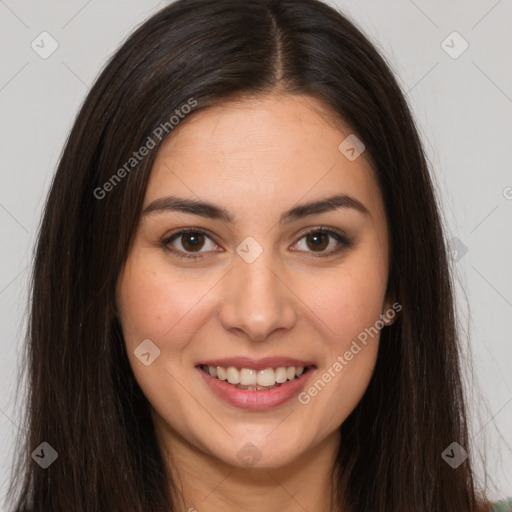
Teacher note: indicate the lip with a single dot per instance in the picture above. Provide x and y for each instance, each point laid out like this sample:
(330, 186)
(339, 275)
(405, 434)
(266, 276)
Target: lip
(253, 399)
(256, 364)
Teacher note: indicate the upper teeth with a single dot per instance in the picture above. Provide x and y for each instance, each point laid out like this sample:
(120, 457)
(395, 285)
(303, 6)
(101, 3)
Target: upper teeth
(249, 377)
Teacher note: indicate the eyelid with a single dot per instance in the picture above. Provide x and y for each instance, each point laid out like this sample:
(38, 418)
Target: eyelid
(344, 242)
(185, 255)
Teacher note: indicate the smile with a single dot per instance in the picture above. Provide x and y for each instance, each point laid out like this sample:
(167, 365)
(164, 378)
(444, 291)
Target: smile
(249, 379)
(255, 396)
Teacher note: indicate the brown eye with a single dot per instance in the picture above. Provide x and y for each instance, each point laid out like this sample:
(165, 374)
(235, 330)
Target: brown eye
(317, 240)
(192, 241)
(188, 243)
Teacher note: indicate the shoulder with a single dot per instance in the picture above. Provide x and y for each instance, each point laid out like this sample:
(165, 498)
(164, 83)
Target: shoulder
(502, 506)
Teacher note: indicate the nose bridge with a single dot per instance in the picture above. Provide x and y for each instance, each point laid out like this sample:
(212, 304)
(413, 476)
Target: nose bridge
(255, 300)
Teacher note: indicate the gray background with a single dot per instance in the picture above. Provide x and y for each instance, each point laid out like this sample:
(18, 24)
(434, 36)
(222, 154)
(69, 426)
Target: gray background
(463, 107)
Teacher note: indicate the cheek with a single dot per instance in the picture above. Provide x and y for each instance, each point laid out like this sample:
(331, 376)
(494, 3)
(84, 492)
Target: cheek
(155, 303)
(351, 307)
(160, 305)
(349, 303)
(348, 300)
(163, 307)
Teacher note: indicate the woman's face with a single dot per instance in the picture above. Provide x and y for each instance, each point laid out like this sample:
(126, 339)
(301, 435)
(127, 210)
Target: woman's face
(262, 294)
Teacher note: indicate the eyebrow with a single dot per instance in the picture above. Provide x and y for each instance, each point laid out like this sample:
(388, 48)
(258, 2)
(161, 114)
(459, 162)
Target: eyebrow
(211, 211)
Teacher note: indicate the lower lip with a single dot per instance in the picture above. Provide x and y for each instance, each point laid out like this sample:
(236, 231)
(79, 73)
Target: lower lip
(256, 399)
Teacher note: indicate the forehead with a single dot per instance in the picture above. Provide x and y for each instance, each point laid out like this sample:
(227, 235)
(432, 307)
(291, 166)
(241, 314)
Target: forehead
(282, 121)
(279, 148)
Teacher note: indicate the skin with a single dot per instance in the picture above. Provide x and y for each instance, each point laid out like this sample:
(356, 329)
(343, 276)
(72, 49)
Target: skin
(257, 158)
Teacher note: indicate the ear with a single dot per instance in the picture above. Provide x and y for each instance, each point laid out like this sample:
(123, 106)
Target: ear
(388, 314)
(390, 308)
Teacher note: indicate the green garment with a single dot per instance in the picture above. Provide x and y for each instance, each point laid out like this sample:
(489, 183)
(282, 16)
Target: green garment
(502, 506)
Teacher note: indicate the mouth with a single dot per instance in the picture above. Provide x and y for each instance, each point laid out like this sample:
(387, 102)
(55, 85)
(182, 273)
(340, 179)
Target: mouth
(259, 388)
(251, 379)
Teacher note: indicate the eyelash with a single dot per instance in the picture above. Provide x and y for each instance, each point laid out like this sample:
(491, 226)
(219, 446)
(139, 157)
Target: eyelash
(344, 242)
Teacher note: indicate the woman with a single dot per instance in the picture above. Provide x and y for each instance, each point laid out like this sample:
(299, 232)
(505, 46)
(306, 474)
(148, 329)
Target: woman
(241, 295)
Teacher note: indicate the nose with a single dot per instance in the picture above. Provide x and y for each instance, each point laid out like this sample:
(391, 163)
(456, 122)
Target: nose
(257, 299)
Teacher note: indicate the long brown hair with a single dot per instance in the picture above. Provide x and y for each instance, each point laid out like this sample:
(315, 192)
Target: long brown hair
(83, 398)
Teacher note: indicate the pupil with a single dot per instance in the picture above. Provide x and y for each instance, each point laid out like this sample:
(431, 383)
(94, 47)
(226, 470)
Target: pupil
(192, 240)
(318, 240)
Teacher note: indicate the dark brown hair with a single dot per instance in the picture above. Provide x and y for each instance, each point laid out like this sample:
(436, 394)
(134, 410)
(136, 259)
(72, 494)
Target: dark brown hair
(83, 398)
